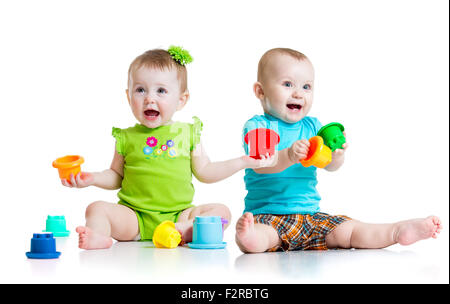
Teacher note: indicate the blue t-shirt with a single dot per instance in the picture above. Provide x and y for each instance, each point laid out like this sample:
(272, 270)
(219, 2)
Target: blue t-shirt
(292, 191)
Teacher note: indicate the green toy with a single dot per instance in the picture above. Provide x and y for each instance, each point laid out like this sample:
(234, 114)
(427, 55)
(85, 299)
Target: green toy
(332, 135)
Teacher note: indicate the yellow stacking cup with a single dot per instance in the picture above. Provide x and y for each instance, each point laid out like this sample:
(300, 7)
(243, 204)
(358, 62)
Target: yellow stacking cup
(166, 236)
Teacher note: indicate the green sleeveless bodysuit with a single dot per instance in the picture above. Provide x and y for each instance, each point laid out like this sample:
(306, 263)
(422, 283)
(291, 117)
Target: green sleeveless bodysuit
(157, 175)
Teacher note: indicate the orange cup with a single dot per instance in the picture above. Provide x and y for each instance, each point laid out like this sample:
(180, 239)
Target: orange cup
(69, 164)
(319, 155)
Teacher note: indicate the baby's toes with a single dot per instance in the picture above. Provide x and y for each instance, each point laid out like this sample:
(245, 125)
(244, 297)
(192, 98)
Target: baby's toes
(436, 220)
(248, 216)
(240, 223)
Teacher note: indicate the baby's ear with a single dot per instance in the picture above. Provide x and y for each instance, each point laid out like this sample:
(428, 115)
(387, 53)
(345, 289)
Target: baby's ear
(183, 100)
(258, 90)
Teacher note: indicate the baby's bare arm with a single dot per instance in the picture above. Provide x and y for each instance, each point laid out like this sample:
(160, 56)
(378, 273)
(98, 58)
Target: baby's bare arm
(109, 179)
(211, 172)
(338, 157)
(288, 157)
(282, 163)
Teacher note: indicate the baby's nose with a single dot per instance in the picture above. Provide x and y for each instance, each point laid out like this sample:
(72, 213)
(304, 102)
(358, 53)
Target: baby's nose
(297, 94)
(150, 99)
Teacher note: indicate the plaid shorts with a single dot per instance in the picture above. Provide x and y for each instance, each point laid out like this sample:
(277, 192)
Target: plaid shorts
(301, 231)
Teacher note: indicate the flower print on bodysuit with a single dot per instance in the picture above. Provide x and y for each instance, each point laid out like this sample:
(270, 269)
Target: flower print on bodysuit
(148, 150)
(153, 151)
(152, 141)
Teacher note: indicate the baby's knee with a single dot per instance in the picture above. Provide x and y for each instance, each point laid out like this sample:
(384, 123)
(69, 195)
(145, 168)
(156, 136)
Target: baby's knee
(95, 208)
(218, 210)
(341, 236)
(224, 212)
(207, 210)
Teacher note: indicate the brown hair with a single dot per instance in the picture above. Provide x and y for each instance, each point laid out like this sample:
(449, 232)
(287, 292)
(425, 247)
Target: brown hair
(160, 59)
(267, 55)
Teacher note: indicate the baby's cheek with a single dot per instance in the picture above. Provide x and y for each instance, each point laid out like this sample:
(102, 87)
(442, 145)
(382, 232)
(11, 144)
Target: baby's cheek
(167, 110)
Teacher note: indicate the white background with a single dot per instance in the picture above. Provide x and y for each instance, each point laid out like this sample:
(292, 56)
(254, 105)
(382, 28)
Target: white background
(381, 70)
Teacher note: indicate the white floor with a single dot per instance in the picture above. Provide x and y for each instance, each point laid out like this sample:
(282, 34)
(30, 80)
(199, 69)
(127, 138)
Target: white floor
(140, 262)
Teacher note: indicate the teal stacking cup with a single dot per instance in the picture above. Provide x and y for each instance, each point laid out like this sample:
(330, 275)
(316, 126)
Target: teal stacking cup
(57, 225)
(207, 233)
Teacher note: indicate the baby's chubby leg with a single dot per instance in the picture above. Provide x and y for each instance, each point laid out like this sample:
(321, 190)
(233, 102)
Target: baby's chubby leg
(355, 234)
(186, 218)
(105, 221)
(254, 237)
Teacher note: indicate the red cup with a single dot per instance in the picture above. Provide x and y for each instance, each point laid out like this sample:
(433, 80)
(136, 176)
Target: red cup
(261, 141)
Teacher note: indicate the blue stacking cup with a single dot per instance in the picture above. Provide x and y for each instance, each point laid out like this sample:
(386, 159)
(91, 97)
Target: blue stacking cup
(207, 230)
(43, 246)
(207, 233)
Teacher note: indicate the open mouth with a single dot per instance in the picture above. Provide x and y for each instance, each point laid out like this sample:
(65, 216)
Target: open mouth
(294, 107)
(151, 114)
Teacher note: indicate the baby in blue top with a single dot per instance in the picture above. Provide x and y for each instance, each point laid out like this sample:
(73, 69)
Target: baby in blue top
(282, 204)
(292, 190)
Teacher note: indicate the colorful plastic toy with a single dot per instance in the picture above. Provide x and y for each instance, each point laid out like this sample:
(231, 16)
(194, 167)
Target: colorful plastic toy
(261, 141)
(319, 155)
(43, 246)
(208, 233)
(332, 135)
(57, 225)
(166, 236)
(67, 165)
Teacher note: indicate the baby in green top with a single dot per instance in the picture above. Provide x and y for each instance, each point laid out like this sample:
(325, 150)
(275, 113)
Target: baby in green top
(154, 160)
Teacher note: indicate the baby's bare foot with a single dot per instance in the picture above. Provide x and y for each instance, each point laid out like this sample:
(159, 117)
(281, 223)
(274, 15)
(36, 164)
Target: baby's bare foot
(411, 231)
(185, 229)
(246, 237)
(88, 239)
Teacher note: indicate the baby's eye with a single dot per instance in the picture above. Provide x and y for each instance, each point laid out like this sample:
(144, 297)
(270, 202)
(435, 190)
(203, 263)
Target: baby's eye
(288, 84)
(140, 90)
(307, 87)
(161, 91)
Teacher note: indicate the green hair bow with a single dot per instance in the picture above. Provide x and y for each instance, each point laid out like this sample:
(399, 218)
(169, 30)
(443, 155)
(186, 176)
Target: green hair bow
(180, 55)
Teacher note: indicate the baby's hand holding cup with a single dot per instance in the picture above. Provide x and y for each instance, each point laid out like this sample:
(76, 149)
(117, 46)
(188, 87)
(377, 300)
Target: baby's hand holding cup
(81, 180)
(69, 170)
(264, 161)
(340, 152)
(299, 150)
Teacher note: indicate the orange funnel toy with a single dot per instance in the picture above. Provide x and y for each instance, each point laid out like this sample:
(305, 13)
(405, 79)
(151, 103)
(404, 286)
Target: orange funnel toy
(319, 155)
(67, 165)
